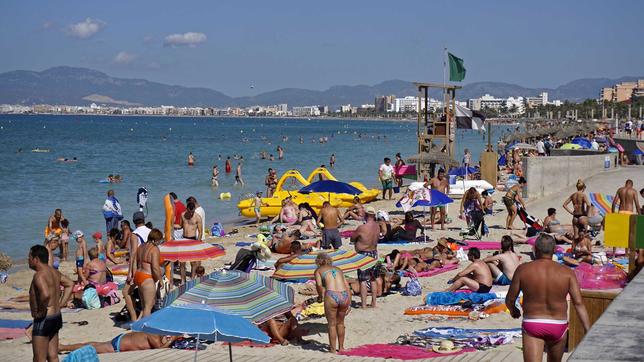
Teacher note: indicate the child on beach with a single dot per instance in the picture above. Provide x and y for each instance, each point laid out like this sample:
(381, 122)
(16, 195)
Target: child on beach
(112, 245)
(257, 204)
(98, 239)
(64, 238)
(81, 256)
(488, 203)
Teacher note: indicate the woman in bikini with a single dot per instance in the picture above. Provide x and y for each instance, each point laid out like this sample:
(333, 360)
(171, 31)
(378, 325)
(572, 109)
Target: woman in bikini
(148, 270)
(580, 202)
(334, 290)
(126, 234)
(306, 219)
(112, 246)
(510, 199)
(355, 211)
(95, 271)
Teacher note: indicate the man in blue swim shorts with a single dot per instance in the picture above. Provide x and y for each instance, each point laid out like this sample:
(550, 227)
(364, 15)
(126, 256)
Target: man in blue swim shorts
(503, 264)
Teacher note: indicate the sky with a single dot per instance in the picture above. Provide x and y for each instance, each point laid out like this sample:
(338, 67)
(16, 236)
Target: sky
(249, 47)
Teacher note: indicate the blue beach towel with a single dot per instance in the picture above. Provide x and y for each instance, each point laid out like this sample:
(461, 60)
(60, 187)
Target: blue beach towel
(451, 332)
(243, 243)
(83, 354)
(452, 298)
(14, 323)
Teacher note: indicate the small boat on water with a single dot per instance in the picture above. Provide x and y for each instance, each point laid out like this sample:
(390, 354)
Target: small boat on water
(41, 150)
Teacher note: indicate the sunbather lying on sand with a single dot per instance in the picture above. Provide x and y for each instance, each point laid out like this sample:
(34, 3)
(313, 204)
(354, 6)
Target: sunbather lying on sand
(283, 330)
(133, 341)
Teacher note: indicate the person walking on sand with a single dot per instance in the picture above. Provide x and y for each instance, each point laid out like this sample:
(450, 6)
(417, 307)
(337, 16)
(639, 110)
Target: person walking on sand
(545, 285)
(386, 174)
(44, 302)
(192, 226)
(626, 197)
(238, 174)
(399, 163)
(580, 203)
(439, 183)
(510, 199)
(112, 211)
(331, 218)
(202, 214)
(214, 179)
(333, 289)
(257, 207)
(365, 238)
(191, 159)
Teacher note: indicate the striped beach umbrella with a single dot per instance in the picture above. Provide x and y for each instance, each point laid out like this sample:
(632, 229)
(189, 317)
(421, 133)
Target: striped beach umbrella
(189, 250)
(303, 267)
(252, 296)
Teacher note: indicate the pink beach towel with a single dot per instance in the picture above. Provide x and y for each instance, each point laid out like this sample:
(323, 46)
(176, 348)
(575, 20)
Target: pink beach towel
(433, 272)
(12, 333)
(482, 245)
(397, 351)
(346, 233)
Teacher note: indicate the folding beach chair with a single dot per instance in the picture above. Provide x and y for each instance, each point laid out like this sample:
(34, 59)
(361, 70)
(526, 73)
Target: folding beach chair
(476, 225)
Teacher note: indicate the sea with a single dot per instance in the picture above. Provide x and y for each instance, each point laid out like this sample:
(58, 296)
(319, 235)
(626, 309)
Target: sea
(152, 152)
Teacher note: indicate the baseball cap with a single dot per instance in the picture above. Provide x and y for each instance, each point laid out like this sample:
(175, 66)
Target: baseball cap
(139, 215)
(370, 210)
(97, 235)
(78, 234)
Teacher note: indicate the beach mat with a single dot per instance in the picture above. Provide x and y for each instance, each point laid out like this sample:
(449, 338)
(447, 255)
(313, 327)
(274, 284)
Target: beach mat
(482, 245)
(453, 311)
(12, 333)
(14, 323)
(241, 244)
(397, 352)
(433, 272)
(419, 240)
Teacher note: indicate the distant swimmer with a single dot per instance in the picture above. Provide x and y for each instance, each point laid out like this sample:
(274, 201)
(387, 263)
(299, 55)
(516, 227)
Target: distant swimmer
(280, 153)
(301, 140)
(191, 159)
(271, 157)
(229, 166)
(238, 175)
(332, 161)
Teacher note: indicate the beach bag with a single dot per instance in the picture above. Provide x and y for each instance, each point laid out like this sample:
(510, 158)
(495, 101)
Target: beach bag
(217, 229)
(90, 298)
(412, 288)
(110, 298)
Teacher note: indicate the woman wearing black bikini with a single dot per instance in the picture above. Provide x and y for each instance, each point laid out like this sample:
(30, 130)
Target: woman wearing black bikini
(334, 290)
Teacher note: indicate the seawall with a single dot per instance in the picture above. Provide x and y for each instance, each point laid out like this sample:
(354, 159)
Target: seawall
(547, 175)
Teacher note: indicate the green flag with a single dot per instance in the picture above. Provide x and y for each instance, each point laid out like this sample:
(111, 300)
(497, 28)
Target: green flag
(456, 68)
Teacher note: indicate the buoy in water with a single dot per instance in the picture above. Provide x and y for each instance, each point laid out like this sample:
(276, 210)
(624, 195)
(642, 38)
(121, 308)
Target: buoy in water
(225, 196)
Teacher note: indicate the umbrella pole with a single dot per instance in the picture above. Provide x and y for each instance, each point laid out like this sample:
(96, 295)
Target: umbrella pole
(230, 351)
(196, 348)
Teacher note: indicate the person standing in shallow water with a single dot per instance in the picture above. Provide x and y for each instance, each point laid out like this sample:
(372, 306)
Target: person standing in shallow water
(191, 159)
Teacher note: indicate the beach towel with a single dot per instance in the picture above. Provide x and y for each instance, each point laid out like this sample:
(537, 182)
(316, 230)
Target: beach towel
(14, 323)
(244, 243)
(482, 245)
(83, 354)
(432, 272)
(464, 338)
(346, 233)
(454, 310)
(602, 202)
(12, 333)
(397, 351)
(418, 240)
(454, 298)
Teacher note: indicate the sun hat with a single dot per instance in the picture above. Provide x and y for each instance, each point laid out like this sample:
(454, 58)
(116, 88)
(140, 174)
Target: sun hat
(369, 210)
(97, 235)
(78, 234)
(443, 242)
(446, 346)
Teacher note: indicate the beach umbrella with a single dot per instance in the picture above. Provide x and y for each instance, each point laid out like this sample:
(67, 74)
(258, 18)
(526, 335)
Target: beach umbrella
(252, 296)
(303, 267)
(330, 186)
(463, 171)
(570, 146)
(583, 142)
(189, 250)
(436, 198)
(203, 322)
(638, 152)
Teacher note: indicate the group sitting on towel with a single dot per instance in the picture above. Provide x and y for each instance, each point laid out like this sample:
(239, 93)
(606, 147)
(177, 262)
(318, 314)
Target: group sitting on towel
(421, 260)
(481, 274)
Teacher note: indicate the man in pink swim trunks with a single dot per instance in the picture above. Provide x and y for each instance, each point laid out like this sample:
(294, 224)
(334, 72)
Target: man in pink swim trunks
(545, 285)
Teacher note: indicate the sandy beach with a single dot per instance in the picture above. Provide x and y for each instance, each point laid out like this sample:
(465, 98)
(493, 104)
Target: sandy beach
(382, 325)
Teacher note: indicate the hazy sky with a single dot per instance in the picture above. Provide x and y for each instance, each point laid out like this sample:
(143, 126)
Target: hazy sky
(229, 45)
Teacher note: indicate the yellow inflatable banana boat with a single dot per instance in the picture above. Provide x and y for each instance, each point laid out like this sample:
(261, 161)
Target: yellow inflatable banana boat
(293, 180)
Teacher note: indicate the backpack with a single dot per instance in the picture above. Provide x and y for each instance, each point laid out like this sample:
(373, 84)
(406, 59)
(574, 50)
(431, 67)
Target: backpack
(412, 288)
(217, 229)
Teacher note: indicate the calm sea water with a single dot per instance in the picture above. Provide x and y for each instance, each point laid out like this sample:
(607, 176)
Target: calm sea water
(152, 152)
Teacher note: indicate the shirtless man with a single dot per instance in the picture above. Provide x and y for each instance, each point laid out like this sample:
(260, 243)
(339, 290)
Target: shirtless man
(125, 342)
(439, 183)
(331, 218)
(355, 211)
(44, 303)
(504, 264)
(53, 224)
(580, 204)
(238, 174)
(365, 239)
(626, 197)
(192, 226)
(282, 240)
(148, 271)
(476, 277)
(545, 285)
(137, 238)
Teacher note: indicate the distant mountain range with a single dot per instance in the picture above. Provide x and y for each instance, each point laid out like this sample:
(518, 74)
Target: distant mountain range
(82, 86)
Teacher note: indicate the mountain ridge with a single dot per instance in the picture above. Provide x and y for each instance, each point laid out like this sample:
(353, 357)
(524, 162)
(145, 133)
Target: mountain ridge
(79, 86)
